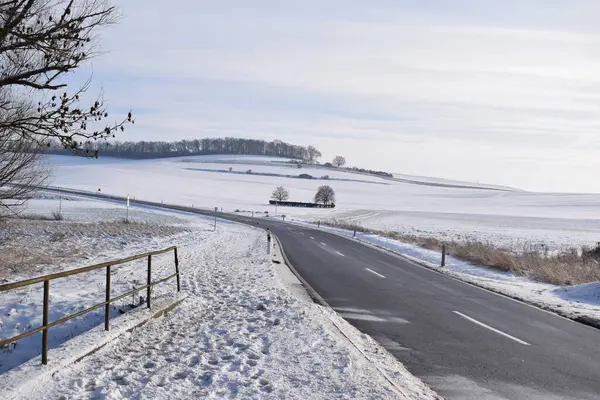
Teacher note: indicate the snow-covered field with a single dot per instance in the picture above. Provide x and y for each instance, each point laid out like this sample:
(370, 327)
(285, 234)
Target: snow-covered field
(240, 333)
(506, 218)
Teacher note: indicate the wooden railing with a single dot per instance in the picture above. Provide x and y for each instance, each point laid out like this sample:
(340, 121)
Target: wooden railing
(46, 325)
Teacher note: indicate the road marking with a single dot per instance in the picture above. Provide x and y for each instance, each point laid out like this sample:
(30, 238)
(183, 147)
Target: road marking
(312, 238)
(340, 254)
(376, 273)
(324, 244)
(362, 317)
(302, 233)
(492, 329)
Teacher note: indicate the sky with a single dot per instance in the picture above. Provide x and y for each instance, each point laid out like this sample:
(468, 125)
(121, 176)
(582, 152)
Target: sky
(502, 92)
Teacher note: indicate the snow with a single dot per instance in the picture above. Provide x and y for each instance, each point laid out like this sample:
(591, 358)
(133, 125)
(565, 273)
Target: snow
(239, 334)
(86, 237)
(506, 218)
(448, 182)
(570, 301)
(588, 293)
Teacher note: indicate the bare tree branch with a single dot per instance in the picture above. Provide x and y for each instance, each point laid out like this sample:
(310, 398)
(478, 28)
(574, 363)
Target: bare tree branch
(41, 41)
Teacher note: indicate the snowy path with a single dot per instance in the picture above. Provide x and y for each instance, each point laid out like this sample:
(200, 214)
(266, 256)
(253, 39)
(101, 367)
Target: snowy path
(240, 334)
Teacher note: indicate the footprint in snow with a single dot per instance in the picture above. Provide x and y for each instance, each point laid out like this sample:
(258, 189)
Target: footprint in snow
(180, 375)
(252, 363)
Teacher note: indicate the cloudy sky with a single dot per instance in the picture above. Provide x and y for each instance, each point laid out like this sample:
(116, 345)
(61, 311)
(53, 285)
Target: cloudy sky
(504, 92)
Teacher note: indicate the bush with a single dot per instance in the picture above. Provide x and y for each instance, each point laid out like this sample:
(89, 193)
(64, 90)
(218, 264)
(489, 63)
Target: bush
(305, 176)
(57, 216)
(325, 177)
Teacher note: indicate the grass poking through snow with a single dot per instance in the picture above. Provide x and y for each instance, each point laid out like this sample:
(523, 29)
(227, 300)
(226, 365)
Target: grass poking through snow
(568, 267)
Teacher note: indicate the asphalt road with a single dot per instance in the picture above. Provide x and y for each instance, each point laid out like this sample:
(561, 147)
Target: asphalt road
(463, 341)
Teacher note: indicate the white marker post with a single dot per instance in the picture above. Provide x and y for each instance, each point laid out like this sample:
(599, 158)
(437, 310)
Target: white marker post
(127, 215)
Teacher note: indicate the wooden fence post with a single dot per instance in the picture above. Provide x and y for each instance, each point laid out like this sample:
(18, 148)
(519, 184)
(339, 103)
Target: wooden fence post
(45, 322)
(177, 271)
(149, 280)
(107, 297)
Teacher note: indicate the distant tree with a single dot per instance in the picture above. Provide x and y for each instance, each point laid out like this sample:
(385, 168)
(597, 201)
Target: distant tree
(339, 161)
(280, 194)
(325, 194)
(230, 169)
(313, 154)
(328, 165)
(325, 177)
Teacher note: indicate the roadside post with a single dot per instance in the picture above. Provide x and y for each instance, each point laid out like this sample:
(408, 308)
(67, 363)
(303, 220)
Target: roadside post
(443, 255)
(127, 214)
(216, 210)
(269, 241)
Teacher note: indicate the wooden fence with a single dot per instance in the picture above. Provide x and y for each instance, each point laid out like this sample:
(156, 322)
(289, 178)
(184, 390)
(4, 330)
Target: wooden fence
(46, 325)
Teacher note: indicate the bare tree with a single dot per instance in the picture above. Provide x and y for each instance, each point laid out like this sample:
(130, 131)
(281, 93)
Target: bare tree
(280, 194)
(325, 194)
(313, 154)
(22, 172)
(339, 161)
(41, 41)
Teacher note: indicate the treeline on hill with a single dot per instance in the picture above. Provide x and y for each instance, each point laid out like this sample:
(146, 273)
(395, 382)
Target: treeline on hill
(372, 172)
(362, 170)
(207, 146)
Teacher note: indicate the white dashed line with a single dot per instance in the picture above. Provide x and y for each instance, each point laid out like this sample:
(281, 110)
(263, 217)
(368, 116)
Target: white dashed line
(324, 244)
(340, 254)
(376, 273)
(312, 238)
(492, 329)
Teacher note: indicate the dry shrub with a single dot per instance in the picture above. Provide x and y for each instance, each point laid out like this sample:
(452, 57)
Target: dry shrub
(569, 267)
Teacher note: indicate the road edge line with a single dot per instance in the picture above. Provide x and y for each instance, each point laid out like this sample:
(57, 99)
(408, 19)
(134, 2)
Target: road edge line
(316, 297)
